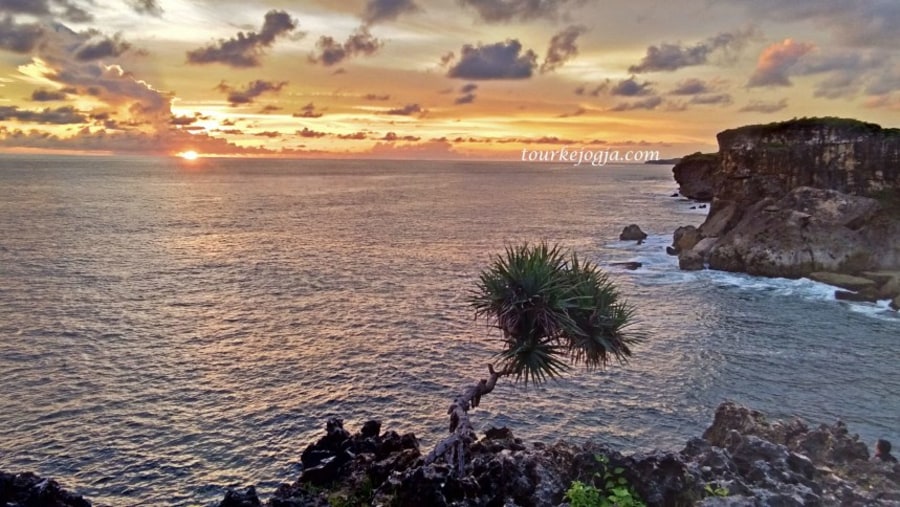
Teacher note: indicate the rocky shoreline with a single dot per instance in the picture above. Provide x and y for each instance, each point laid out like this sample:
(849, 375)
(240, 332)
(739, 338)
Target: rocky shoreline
(741, 459)
(793, 199)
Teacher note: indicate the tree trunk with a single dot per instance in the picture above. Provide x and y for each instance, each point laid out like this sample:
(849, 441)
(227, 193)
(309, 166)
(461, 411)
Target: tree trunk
(462, 434)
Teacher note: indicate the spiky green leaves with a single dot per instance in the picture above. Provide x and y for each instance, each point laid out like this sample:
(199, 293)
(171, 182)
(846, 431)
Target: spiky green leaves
(551, 307)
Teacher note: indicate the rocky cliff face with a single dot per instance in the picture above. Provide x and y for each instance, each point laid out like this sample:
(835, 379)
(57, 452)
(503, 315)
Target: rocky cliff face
(849, 156)
(697, 175)
(790, 199)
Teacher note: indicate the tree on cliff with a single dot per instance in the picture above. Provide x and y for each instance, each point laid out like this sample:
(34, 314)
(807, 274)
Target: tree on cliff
(553, 310)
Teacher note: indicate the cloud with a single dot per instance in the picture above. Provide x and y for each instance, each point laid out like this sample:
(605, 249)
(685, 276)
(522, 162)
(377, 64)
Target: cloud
(271, 134)
(625, 88)
(465, 99)
(59, 116)
(253, 90)
(308, 111)
(712, 99)
(468, 88)
(670, 57)
(562, 48)
(19, 37)
(392, 136)
(758, 106)
(63, 9)
(578, 112)
(331, 52)
(649, 103)
(48, 95)
(306, 132)
(501, 11)
(861, 23)
(776, 61)
(245, 50)
(375, 96)
(691, 86)
(99, 46)
(183, 120)
(407, 110)
(387, 10)
(150, 7)
(269, 109)
(502, 60)
(356, 136)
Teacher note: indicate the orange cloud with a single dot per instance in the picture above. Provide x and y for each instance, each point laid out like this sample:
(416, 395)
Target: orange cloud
(776, 61)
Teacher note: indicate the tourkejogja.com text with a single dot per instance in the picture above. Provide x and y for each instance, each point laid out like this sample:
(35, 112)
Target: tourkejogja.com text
(594, 157)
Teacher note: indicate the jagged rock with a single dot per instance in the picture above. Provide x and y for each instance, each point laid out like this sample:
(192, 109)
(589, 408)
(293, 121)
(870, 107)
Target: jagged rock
(776, 244)
(632, 233)
(895, 303)
(30, 490)
(696, 175)
(245, 498)
(852, 283)
(864, 296)
(690, 261)
(671, 250)
(631, 265)
(685, 238)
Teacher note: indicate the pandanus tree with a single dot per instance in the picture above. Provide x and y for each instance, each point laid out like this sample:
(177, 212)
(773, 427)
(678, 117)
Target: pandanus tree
(553, 310)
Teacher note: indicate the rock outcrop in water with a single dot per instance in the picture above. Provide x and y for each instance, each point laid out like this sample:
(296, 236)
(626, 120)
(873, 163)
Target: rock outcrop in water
(29, 490)
(697, 175)
(798, 197)
(742, 459)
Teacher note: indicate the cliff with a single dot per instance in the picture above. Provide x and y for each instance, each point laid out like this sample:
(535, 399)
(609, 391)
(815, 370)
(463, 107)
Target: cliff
(849, 156)
(801, 196)
(697, 176)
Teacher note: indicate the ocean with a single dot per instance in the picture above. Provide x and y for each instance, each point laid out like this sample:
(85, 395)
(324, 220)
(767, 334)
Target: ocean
(168, 328)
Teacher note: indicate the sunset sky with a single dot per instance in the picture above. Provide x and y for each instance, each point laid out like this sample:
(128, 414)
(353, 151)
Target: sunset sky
(433, 79)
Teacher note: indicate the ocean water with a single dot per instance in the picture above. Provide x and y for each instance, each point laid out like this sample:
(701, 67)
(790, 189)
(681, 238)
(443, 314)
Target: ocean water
(168, 329)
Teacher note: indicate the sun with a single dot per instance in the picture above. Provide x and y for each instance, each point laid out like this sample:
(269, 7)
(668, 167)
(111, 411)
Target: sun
(188, 155)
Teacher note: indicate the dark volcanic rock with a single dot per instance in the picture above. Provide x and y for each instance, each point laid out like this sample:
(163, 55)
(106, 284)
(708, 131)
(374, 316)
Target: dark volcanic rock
(246, 498)
(29, 490)
(697, 175)
(630, 265)
(632, 233)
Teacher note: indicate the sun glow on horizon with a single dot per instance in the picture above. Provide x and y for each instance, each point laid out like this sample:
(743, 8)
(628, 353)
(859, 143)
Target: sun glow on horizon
(188, 155)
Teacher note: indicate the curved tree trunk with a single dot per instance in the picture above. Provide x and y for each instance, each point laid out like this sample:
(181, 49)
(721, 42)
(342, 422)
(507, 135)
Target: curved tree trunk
(462, 434)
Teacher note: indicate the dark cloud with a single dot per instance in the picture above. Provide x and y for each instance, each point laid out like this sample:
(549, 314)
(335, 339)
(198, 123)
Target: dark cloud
(150, 7)
(468, 98)
(502, 60)
(392, 136)
(844, 72)
(758, 106)
(691, 86)
(308, 111)
(331, 52)
(183, 120)
(625, 88)
(271, 134)
(59, 116)
(501, 11)
(562, 48)
(48, 95)
(374, 96)
(253, 90)
(670, 57)
(468, 88)
(387, 10)
(356, 136)
(407, 110)
(712, 99)
(269, 109)
(19, 37)
(98, 47)
(306, 132)
(649, 103)
(776, 63)
(861, 23)
(245, 50)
